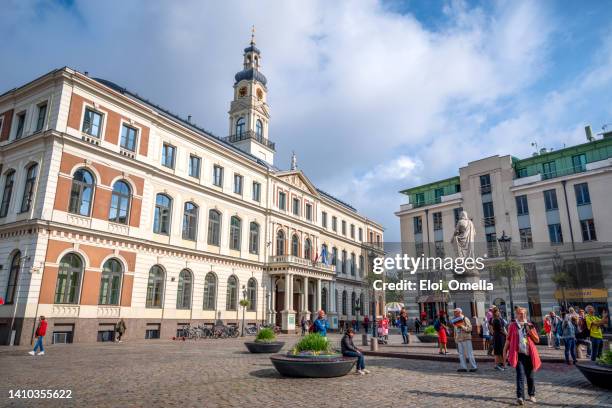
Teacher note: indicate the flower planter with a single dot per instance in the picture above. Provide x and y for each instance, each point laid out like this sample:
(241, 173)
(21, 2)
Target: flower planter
(426, 338)
(313, 366)
(598, 375)
(263, 347)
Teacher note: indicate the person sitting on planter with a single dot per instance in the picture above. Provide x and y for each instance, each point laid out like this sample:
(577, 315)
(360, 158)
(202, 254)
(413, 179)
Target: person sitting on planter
(349, 350)
(321, 324)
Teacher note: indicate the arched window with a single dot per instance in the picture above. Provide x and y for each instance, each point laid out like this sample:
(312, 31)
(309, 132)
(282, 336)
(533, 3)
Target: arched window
(183, 294)
(13, 278)
(69, 279)
(252, 294)
(324, 254)
(361, 304)
(81, 193)
(9, 183)
(232, 293)
(240, 126)
(210, 291)
(334, 257)
(120, 202)
(110, 282)
(190, 221)
(280, 243)
(254, 238)
(163, 209)
(353, 303)
(307, 249)
(235, 231)
(214, 227)
(295, 245)
(155, 287)
(28, 189)
(344, 300)
(324, 298)
(259, 129)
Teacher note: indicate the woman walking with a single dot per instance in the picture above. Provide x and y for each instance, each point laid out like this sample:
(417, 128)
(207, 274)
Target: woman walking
(442, 333)
(521, 352)
(569, 337)
(499, 339)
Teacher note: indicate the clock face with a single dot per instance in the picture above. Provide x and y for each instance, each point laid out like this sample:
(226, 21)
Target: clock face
(242, 91)
(259, 94)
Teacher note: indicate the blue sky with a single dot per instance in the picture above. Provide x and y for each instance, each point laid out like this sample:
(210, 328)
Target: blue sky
(373, 96)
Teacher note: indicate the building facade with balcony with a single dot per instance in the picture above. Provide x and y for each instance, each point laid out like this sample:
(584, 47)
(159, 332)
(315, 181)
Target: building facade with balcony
(113, 207)
(555, 206)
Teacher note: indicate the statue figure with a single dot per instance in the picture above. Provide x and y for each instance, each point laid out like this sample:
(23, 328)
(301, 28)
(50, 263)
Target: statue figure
(463, 238)
(293, 161)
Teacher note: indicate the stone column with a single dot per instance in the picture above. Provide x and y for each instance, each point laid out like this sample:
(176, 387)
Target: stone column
(318, 295)
(288, 314)
(305, 308)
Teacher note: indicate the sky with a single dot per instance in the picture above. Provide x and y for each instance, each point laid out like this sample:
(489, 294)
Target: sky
(373, 96)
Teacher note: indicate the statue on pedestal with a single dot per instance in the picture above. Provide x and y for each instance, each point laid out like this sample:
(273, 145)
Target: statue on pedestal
(463, 238)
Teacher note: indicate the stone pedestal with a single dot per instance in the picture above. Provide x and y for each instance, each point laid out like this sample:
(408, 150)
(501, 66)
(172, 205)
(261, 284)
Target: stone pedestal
(288, 325)
(333, 320)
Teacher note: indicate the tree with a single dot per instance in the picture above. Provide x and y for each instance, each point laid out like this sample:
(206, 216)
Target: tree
(501, 269)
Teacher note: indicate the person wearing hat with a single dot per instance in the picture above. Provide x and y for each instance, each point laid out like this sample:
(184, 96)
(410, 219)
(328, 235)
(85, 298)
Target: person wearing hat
(349, 350)
(463, 337)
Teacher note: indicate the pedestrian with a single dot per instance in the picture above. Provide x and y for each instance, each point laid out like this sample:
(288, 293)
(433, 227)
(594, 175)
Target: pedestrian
(417, 325)
(582, 334)
(304, 325)
(594, 325)
(556, 328)
(41, 330)
(463, 337)
(548, 329)
(499, 339)
(440, 324)
(366, 323)
(569, 337)
(321, 325)
(486, 335)
(521, 352)
(354, 324)
(385, 328)
(349, 349)
(404, 326)
(120, 329)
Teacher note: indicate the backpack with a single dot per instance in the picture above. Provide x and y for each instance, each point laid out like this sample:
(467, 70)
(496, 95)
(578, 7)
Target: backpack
(312, 328)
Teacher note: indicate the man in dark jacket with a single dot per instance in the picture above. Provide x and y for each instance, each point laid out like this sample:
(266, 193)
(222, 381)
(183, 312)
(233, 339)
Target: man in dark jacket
(349, 350)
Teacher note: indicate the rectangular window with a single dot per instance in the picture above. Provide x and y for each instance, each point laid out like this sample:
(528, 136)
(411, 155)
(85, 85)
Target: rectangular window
(588, 230)
(549, 170)
(521, 205)
(218, 176)
(334, 224)
(489, 214)
(40, 120)
(128, 138)
(324, 219)
(439, 245)
(526, 239)
(437, 221)
(550, 200)
(419, 199)
(555, 234)
(491, 244)
(296, 206)
(238, 183)
(343, 227)
(256, 191)
(282, 200)
(309, 212)
(360, 234)
(20, 124)
(485, 183)
(582, 194)
(418, 248)
(92, 123)
(194, 166)
(371, 237)
(438, 193)
(418, 225)
(521, 172)
(352, 231)
(579, 162)
(168, 155)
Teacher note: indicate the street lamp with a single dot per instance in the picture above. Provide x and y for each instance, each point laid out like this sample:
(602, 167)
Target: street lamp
(244, 302)
(505, 243)
(559, 277)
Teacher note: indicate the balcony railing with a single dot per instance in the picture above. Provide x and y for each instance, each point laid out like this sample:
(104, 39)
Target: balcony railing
(485, 189)
(292, 259)
(249, 134)
(488, 221)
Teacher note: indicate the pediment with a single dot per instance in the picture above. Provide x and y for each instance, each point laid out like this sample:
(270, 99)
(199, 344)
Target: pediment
(298, 179)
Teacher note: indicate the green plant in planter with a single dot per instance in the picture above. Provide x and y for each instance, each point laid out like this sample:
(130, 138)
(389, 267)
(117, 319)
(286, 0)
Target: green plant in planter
(265, 335)
(542, 332)
(430, 331)
(605, 359)
(313, 344)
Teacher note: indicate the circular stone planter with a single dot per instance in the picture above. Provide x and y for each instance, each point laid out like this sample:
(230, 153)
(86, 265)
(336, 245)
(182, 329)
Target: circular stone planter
(261, 347)
(425, 338)
(313, 367)
(598, 375)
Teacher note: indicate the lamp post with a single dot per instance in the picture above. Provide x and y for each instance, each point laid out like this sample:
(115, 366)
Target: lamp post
(243, 303)
(557, 266)
(505, 243)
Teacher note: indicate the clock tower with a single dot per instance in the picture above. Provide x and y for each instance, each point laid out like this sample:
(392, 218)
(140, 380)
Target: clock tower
(249, 115)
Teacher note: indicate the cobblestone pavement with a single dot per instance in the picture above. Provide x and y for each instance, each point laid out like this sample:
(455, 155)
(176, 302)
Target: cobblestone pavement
(220, 373)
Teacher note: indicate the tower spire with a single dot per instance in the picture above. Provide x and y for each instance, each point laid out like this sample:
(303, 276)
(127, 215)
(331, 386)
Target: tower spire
(253, 35)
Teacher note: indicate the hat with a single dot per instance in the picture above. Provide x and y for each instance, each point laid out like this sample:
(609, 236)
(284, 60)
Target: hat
(458, 309)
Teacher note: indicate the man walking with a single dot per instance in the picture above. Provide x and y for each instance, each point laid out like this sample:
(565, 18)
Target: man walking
(120, 329)
(321, 325)
(594, 325)
(41, 330)
(404, 326)
(463, 337)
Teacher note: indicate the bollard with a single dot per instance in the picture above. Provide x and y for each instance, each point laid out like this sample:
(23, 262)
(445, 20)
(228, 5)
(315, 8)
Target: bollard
(364, 339)
(373, 344)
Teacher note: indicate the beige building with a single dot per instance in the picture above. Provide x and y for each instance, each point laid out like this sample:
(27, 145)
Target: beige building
(555, 206)
(112, 207)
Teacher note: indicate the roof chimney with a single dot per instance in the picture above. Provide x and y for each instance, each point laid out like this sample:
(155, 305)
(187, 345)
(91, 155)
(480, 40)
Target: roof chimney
(189, 118)
(86, 73)
(589, 133)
